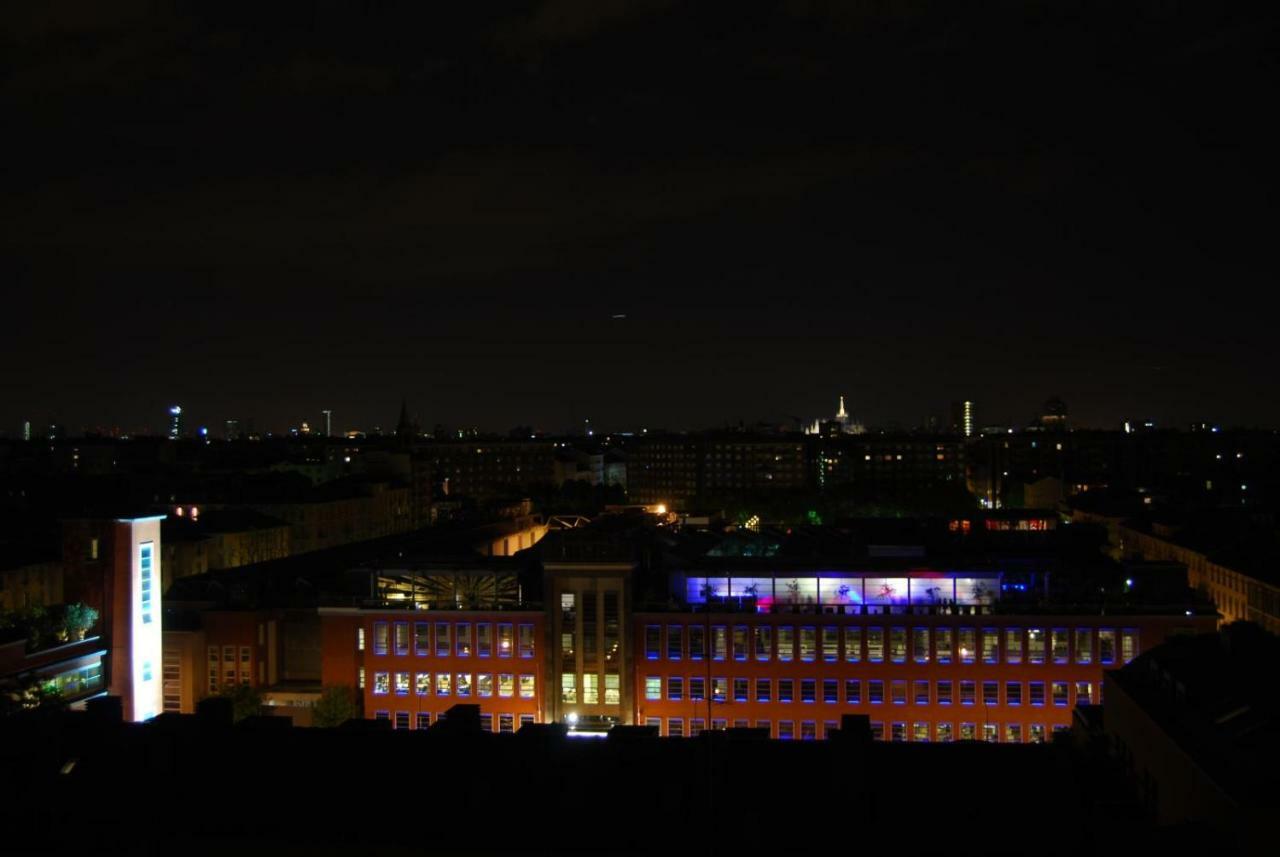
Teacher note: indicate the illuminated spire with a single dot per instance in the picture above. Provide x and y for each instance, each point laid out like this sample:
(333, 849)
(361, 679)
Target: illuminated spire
(842, 414)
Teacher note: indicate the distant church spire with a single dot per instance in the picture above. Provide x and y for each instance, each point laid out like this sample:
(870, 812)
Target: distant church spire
(841, 414)
(404, 428)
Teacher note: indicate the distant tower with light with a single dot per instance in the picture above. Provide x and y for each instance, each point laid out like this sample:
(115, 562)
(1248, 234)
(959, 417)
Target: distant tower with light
(328, 422)
(26, 430)
(962, 419)
(842, 416)
(175, 422)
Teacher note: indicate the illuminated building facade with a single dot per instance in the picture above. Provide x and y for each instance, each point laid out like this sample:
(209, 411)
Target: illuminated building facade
(410, 667)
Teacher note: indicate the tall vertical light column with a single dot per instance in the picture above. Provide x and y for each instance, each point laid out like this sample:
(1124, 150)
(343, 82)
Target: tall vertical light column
(136, 634)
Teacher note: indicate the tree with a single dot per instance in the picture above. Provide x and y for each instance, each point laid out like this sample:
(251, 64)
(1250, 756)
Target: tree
(28, 693)
(335, 706)
(246, 701)
(77, 619)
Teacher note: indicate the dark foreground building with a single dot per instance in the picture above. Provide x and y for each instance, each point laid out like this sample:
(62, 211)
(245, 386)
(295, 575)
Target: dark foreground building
(85, 782)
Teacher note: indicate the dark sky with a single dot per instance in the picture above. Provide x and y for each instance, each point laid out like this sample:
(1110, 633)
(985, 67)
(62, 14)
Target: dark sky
(262, 212)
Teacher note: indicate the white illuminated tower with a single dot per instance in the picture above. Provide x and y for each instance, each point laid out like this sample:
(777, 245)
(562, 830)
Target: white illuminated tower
(328, 422)
(842, 416)
(175, 422)
(137, 657)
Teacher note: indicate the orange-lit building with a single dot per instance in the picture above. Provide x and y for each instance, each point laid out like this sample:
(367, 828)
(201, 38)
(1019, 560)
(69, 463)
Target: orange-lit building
(411, 666)
(918, 675)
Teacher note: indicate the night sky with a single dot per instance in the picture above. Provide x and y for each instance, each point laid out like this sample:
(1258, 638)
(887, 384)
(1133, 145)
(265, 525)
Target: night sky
(262, 212)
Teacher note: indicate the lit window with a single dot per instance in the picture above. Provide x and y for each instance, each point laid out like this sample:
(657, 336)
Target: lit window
(1060, 645)
(740, 642)
(808, 643)
(484, 684)
(920, 732)
(898, 645)
(1107, 645)
(442, 684)
(526, 641)
(1128, 644)
(590, 689)
(443, 640)
(1035, 645)
(719, 689)
(943, 733)
(381, 638)
(786, 642)
(898, 732)
(719, 642)
(464, 684)
(942, 644)
(991, 732)
(653, 688)
(920, 645)
(1084, 693)
(359, 679)
(464, 640)
(526, 687)
(1084, 645)
(1060, 693)
(968, 645)
(1013, 733)
(852, 644)
(360, 639)
(1037, 733)
(875, 645)
(1013, 645)
(830, 644)
(505, 642)
(381, 683)
(568, 687)
(422, 684)
(968, 732)
(402, 638)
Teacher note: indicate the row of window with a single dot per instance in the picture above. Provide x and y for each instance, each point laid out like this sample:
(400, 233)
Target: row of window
(453, 684)
(919, 731)
(856, 643)
(450, 638)
(422, 720)
(850, 691)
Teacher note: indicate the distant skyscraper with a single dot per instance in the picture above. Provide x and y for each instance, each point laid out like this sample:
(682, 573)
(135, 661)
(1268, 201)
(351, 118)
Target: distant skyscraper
(175, 422)
(26, 430)
(232, 429)
(962, 418)
(328, 422)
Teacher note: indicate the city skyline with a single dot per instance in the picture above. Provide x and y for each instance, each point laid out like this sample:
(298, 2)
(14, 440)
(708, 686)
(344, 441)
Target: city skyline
(554, 228)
